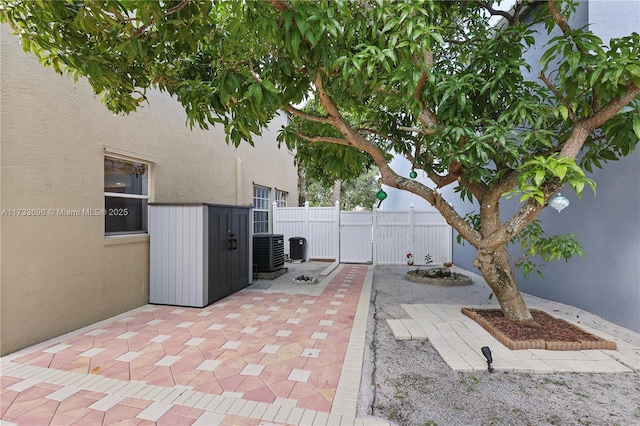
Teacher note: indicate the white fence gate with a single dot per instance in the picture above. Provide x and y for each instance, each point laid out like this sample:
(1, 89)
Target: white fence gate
(356, 237)
(380, 237)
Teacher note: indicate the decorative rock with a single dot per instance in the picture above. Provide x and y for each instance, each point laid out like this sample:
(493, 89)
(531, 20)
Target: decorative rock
(438, 276)
(304, 279)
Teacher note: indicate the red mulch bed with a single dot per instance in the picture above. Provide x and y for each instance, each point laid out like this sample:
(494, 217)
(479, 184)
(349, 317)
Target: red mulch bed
(544, 332)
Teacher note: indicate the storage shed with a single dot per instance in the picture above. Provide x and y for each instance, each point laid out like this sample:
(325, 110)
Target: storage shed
(199, 253)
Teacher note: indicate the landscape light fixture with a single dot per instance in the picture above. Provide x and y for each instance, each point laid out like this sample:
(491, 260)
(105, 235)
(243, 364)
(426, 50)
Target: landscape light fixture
(487, 354)
(559, 202)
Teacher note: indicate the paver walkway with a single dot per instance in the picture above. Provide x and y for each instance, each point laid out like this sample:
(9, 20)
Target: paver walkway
(252, 358)
(458, 340)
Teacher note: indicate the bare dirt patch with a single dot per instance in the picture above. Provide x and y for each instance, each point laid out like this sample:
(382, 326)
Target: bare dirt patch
(407, 383)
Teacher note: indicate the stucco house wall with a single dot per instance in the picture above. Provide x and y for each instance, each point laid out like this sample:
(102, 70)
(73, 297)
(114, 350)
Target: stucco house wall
(60, 273)
(606, 281)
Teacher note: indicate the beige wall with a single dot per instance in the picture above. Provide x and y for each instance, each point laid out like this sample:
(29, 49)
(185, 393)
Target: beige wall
(59, 273)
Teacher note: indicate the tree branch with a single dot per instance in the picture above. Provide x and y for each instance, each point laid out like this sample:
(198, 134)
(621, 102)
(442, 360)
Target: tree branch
(423, 79)
(495, 12)
(311, 117)
(613, 107)
(428, 120)
(561, 98)
(170, 11)
(520, 220)
(516, 11)
(314, 139)
(549, 151)
(426, 116)
(551, 87)
(325, 100)
(478, 189)
(595, 102)
(376, 133)
(411, 129)
(530, 210)
(561, 21)
(428, 61)
(440, 181)
(390, 177)
(490, 202)
(281, 5)
(177, 8)
(579, 135)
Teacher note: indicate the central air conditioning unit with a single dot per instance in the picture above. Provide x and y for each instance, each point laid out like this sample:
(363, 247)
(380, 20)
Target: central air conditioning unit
(268, 252)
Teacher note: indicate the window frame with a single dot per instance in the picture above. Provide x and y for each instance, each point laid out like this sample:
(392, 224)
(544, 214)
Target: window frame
(281, 198)
(109, 154)
(258, 225)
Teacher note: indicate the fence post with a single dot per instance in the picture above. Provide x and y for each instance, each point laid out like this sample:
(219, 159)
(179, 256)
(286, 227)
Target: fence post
(307, 230)
(374, 225)
(336, 231)
(412, 224)
(450, 240)
(275, 218)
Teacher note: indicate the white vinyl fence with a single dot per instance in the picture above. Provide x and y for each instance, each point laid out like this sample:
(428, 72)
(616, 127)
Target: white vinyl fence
(318, 225)
(380, 237)
(421, 233)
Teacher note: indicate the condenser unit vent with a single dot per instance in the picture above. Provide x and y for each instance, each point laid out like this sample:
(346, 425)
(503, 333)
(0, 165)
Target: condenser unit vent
(268, 252)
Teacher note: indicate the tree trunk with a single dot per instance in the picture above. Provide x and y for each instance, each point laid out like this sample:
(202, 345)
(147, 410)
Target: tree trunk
(302, 185)
(496, 271)
(337, 189)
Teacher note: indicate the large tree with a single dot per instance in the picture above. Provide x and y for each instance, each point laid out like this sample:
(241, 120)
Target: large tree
(433, 81)
(357, 193)
(327, 166)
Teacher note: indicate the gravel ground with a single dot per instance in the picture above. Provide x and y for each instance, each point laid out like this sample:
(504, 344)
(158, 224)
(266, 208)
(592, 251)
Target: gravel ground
(407, 383)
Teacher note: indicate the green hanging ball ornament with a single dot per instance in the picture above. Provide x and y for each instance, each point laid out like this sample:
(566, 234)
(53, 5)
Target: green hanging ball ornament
(381, 195)
(413, 174)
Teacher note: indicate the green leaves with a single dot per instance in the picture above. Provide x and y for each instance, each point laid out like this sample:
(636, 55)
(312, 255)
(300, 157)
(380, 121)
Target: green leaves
(636, 125)
(533, 241)
(617, 138)
(429, 80)
(118, 46)
(587, 74)
(539, 176)
(563, 111)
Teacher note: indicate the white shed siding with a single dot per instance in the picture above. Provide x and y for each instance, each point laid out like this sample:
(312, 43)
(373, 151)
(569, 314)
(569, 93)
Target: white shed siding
(177, 253)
